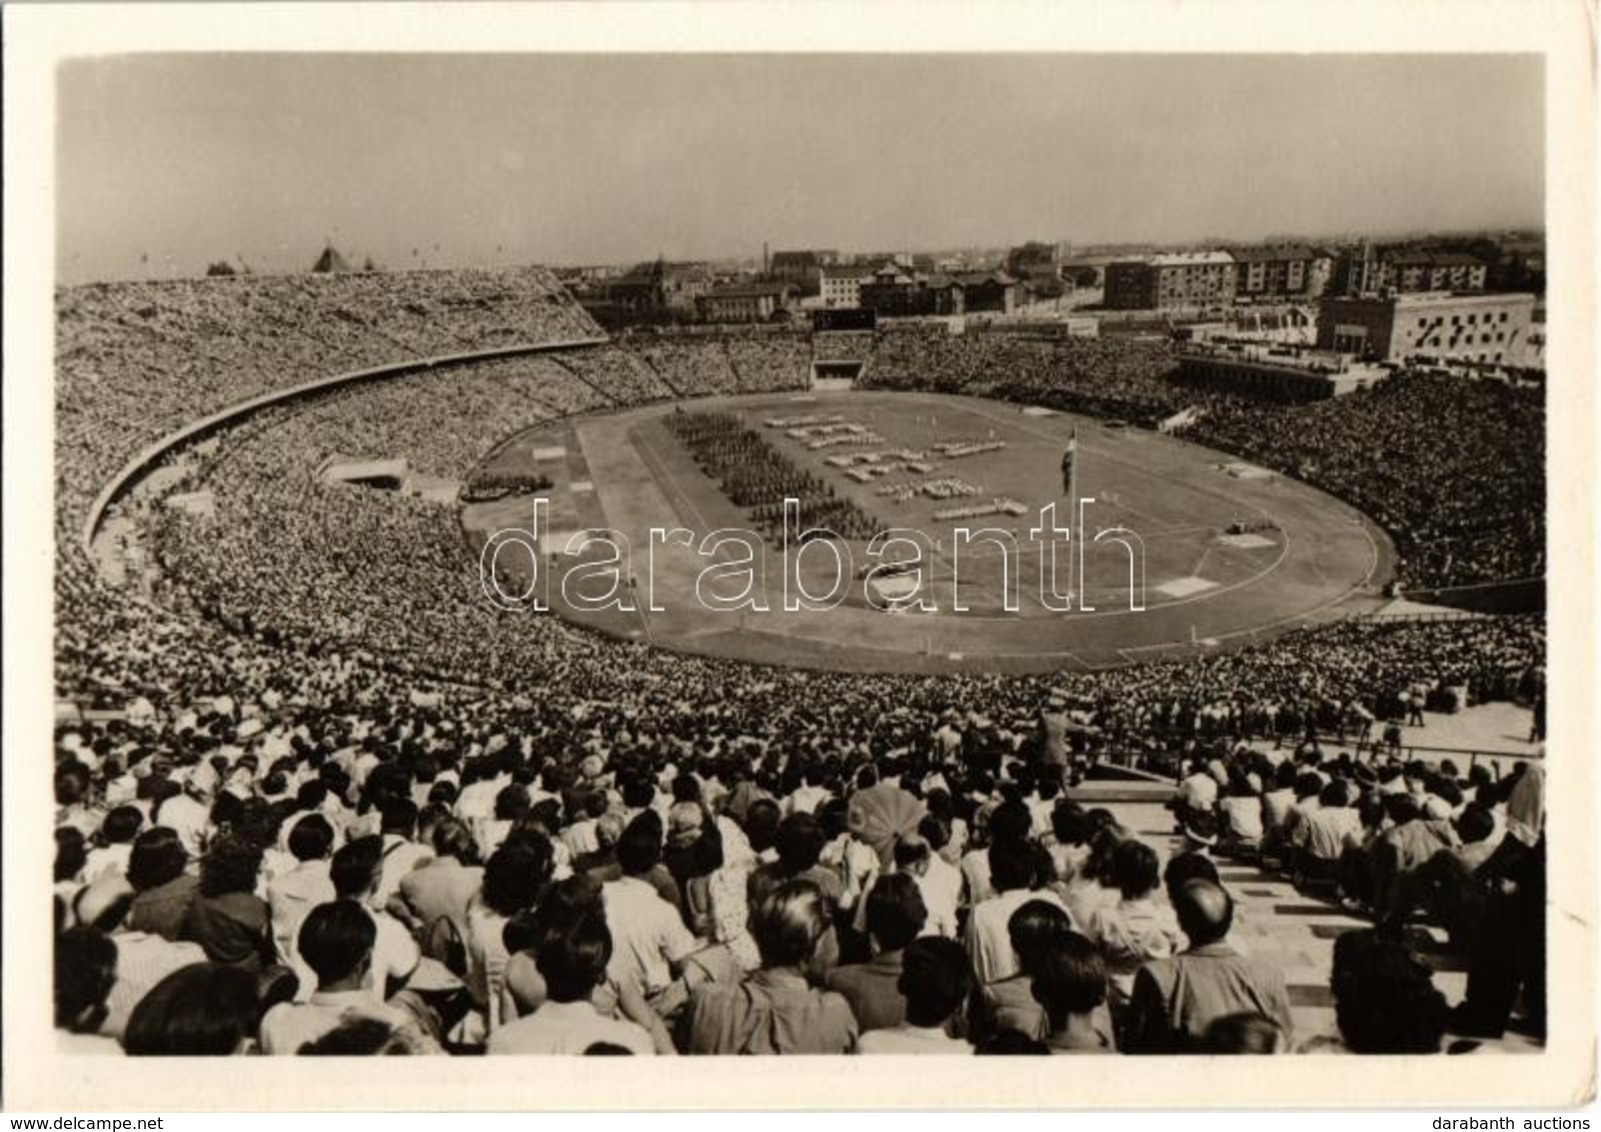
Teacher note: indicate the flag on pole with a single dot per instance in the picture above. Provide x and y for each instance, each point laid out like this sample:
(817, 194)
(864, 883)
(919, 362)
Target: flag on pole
(1067, 462)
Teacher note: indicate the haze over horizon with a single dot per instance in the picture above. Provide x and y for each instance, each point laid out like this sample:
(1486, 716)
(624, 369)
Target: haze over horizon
(166, 163)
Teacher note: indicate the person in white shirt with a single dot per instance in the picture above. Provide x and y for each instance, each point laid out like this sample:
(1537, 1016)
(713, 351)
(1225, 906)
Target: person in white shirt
(649, 937)
(1013, 872)
(295, 893)
(401, 852)
(117, 832)
(936, 980)
(355, 872)
(336, 940)
(572, 959)
(938, 882)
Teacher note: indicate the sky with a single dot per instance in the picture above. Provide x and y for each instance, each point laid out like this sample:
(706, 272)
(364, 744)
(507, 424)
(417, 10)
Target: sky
(167, 162)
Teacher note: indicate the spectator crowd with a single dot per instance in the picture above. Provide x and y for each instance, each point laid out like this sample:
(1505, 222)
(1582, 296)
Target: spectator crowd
(316, 796)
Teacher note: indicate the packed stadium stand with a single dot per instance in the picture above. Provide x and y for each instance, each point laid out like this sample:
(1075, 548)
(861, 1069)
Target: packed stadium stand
(296, 743)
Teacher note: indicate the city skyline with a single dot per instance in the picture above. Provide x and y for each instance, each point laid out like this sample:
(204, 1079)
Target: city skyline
(167, 163)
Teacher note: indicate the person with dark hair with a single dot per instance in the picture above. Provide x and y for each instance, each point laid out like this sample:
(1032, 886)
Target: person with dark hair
(1138, 928)
(360, 1036)
(1036, 930)
(650, 940)
(572, 956)
(439, 890)
(115, 843)
(938, 882)
(200, 1010)
(1091, 887)
(514, 879)
(1014, 874)
(1070, 985)
(1182, 868)
(1385, 1000)
(336, 942)
(934, 983)
(1322, 837)
(401, 851)
(775, 1010)
(1174, 1000)
(72, 853)
(162, 889)
(1244, 1033)
(355, 871)
(1011, 1043)
(895, 917)
(1443, 887)
(294, 893)
(85, 972)
(800, 842)
(227, 918)
(143, 958)
(1508, 952)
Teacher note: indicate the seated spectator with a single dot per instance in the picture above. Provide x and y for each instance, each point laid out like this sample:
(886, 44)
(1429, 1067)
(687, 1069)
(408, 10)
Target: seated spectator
(1010, 1043)
(356, 871)
(227, 918)
(774, 1010)
(895, 917)
(402, 851)
(1071, 985)
(361, 1036)
(934, 983)
(1036, 930)
(1385, 1000)
(295, 893)
(514, 879)
(1175, 1000)
(114, 844)
(1091, 887)
(572, 959)
(201, 1010)
(1182, 868)
(650, 940)
(1014, 876)
(440, 889)
(162, 889)
(1322, 836)
(1240, 816)
(143, 958)
(1444, 887)
(939, 882)
(85, 972)
(1244, 1033)
(1139, 928)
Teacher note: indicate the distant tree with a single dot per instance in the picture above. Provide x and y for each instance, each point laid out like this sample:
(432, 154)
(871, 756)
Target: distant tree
(221, 267)
(368, 265)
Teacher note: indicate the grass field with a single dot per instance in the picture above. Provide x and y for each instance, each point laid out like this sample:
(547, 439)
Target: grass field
(991, 603)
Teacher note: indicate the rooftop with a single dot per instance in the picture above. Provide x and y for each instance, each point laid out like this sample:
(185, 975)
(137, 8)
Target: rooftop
(1270, 254)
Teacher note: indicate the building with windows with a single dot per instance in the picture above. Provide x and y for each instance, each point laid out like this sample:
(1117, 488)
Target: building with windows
(1433, 271)
(748, 302)
(1170, 280)
(892, 292)
(659, 290)
(842, 286)
(802, 268)
(1280, 273)
(1366, 270)
(1442, 326)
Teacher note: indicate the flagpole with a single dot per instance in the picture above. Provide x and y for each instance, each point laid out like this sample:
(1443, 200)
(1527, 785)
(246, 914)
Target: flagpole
(1073, 518)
